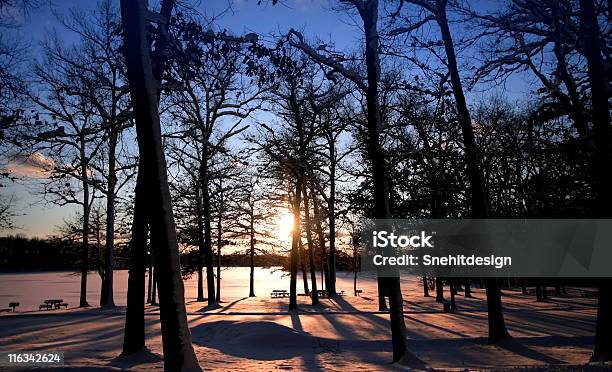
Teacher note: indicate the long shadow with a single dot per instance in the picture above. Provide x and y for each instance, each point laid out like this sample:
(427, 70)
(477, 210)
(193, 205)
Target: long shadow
(519, 348)
(346, 306)
(431, 325)
(219, 306)
(309, 359)
(410, 360)
(296, 323)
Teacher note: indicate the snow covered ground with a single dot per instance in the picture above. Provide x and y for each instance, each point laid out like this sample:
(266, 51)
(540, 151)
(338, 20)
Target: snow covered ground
(345, 333)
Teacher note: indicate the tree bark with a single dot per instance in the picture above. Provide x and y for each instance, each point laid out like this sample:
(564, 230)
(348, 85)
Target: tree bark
(219, 243)
(331, 259)
(439, 290)
(468, 288)
(252, 251)
(208, 252)
(478, 198)
(425, 287)
(303, 267)
(201, 248)
(106, 297)
(295, 239)
(602, 348)
(85, 237)
(134, 334)
(150, 285)
(176, 338)
(314, 294)
(326, 275)
(369, 15)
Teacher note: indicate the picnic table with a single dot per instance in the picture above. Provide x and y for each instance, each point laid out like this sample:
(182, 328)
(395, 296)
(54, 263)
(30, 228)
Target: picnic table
(276, 293)
(53, 304)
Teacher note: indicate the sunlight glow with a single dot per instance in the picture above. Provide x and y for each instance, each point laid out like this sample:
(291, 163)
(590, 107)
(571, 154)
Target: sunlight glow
(284, 225)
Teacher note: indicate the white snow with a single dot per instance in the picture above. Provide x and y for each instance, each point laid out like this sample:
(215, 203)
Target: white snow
(344, 333)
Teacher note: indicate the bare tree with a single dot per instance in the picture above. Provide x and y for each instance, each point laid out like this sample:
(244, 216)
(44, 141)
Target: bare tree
(600, 96)
(213, 99)
(478, 198)
(368, 13)
(143, 81)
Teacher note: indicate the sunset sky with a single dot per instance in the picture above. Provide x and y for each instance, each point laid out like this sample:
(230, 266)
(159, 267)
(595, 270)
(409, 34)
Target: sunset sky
(314, 17)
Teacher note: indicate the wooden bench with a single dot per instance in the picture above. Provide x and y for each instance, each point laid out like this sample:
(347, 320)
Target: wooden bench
(53, 304)
(359, 291)
(279, 293)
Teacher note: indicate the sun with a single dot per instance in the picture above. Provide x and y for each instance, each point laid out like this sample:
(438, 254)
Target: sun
(284, 225)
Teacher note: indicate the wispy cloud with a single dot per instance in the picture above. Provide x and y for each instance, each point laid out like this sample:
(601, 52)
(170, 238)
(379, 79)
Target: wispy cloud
(35, 165)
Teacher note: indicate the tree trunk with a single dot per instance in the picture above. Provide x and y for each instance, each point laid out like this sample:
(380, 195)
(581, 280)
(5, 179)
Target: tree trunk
(453, 292)
(314, 294)
(331, 259)
(468, 289)
(134, 334)
(369, 15)
(589, 28)
(439, 290)
(154, 291)
(219, 243)
(150, 285)
(176, 338)
(106, 295)
(325, 271)
(478, 202)
(85, 237)
(201, 248)
(355, 263)
(303, 267)
(252, 252)
(295, 241)
(538, 292)
(208, 253)
(425, 287)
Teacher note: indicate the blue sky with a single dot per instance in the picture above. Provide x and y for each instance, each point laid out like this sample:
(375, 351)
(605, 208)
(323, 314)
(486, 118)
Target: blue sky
(314, 17)
(38, 218)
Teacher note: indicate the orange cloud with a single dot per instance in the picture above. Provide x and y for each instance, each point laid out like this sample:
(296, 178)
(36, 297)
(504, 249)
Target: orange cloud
(35, 165)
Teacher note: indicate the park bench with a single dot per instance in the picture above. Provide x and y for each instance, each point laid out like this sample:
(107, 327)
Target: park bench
(322, 293)
(359, 291)
(13, 305)
(53, 304)
(279, 293)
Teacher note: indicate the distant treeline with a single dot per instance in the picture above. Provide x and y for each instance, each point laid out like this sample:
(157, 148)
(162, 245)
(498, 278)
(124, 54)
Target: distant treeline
(18, 253)
(24, 254)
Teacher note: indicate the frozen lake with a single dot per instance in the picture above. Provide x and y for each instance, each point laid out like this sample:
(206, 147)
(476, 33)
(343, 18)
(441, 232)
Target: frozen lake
(32, 288)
